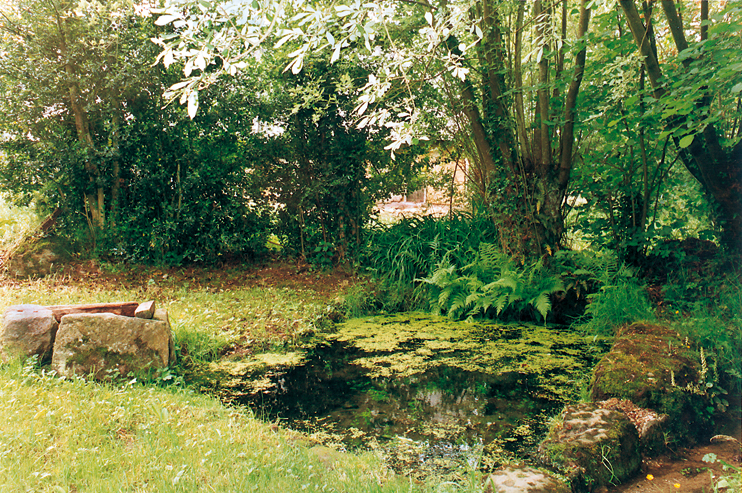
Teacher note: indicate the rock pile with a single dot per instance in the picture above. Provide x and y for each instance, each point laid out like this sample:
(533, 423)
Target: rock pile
(640, 397)
(101, 341)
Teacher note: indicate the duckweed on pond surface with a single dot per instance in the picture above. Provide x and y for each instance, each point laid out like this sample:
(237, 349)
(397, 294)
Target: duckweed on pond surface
(434, 396)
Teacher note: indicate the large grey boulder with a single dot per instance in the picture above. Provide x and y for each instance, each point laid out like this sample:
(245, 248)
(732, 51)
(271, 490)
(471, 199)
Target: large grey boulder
(27, 330)
(591, 446)
(104, 345)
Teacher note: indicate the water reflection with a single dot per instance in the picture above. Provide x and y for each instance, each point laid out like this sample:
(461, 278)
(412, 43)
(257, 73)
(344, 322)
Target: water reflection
(429, 401)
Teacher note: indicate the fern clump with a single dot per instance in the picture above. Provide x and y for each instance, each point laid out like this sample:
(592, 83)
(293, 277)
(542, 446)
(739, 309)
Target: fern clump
(493, 286)
(586, 287)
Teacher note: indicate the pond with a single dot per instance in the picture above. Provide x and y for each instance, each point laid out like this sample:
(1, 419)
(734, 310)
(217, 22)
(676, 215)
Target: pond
(432, 395)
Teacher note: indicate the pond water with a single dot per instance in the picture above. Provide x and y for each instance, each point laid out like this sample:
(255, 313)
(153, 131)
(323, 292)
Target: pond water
(432, 395)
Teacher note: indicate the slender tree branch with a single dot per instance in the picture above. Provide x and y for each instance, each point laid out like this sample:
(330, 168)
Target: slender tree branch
(565, 158)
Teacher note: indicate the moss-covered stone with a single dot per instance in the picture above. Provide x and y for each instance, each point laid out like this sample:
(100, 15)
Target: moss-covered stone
(27, 330)
(104, 345)
(591, 446)
(38, 257)
(650, 366)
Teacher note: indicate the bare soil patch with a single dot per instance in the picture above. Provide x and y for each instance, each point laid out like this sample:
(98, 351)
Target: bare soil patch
(223, 277)
(684, 470)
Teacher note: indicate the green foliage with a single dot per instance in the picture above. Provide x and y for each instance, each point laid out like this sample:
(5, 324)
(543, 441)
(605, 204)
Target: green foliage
(731, 480)
(411, 248)
(322, 170)
(570, 286)
(707, 307)
(493, 285)
(15, 222)
(703, 87)
(452, 266)
(402, 253)
(619, 297)
(142, 181)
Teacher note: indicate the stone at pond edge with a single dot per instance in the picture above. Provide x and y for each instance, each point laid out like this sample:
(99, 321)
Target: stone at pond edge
(640, 368)
(650, 425)
(27, 330)
(593, 447)
(105, 345)
(523, 480)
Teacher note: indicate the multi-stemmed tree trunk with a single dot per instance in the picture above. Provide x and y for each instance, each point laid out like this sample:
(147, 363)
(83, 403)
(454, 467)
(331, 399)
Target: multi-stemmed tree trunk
(523, 149)
(72, 69)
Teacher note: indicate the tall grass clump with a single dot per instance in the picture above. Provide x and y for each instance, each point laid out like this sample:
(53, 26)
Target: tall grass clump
(708, 311)
(400, 254)
(618, 296)
(453, 266)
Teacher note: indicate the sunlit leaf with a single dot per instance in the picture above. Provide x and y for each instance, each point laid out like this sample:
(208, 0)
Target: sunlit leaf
(164, 20)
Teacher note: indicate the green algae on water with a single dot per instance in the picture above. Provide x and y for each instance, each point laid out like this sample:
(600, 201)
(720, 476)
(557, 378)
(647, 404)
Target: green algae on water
(419, 388)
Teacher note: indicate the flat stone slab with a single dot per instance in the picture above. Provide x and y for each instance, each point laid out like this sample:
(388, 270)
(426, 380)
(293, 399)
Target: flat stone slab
(524, 480)
(126, 308)
(591, 446)
(27, 330)
(105, 345)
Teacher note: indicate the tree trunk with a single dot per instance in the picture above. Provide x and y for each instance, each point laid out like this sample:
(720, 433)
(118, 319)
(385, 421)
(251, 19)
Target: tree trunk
(95, 196)
(719, 170)
(116, 164)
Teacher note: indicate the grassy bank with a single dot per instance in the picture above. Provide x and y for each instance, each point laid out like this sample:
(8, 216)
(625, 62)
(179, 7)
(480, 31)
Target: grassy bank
(78, 436)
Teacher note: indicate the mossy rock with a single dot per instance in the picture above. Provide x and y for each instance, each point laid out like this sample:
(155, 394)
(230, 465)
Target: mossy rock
(592, 447)
(38, 257)
(650, 366)
(108, 346)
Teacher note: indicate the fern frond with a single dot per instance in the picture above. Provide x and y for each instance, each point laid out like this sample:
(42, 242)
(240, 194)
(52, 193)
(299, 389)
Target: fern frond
(489, 288)
(458, 304)
(542, 304)
(490, 255)
(444, 296)
(473, 283)
(502, 303)
(442, 277)
(474, 298)
(508, 280)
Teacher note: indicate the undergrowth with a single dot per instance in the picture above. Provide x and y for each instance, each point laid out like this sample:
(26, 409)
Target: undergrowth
(492, 285)
(707, 309)
(400, 254)
(15, 222)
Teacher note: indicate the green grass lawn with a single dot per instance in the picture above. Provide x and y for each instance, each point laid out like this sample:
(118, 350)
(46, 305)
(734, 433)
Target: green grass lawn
(78, 436)
(73, 435)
